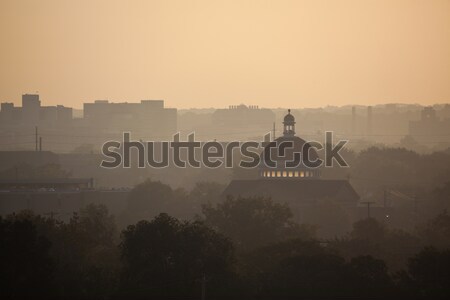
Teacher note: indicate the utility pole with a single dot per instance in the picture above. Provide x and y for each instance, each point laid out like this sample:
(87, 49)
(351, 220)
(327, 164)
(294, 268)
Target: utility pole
(36, 136)
(368, 207)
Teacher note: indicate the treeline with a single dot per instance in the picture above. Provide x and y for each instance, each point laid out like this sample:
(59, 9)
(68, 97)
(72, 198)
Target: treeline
(237, 249)
(380, 167)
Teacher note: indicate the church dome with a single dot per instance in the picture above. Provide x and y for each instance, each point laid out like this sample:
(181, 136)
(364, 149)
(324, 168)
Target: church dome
(282, 151)
(288, 155)
(289, 118)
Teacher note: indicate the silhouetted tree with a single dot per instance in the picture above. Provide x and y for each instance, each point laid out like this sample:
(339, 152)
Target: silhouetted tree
(206, 191)
(25, 263)
(436, 232)
(370, 237)
(84, 252)
(147, 200)
(254, 222)
(167, 258)
(429, 274)
(298, 269)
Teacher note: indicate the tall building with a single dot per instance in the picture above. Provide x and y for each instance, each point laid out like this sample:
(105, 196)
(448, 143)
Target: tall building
(31, 106)
(147, 119)
(33, 114)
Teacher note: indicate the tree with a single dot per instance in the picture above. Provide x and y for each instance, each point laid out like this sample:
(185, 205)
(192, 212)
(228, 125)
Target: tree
(436, 232)
(254, 222)
(147, 200)
(369, 229)
(331, 217)
(370, 237)
(26, 266)
(83, 251)
(95, 223)
(87, 254)
(370, 277)
(167, 258)
(440, 201)
(429, 273)
(297, 269)
(206, 191)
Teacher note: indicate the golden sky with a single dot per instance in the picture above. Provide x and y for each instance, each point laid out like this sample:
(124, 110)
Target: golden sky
(282, 53)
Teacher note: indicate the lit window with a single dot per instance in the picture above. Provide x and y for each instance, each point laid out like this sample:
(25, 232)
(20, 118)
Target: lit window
(290, 173)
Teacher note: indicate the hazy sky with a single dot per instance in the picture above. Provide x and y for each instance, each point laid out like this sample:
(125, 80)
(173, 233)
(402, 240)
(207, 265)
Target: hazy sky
(215, 53)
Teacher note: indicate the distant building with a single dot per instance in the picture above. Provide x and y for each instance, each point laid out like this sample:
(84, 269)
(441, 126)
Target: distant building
(430, 129)
(25, 127)
(231, 121)
(47, 184)
(33, 114)
(299, 186)
(237, 115)
(149, 118)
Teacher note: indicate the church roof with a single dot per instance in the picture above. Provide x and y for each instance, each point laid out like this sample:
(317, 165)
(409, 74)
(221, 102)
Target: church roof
(293, 145)
(293, 190)
(289, 118)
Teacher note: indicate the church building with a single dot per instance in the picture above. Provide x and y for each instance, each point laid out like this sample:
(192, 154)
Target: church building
(294, 183)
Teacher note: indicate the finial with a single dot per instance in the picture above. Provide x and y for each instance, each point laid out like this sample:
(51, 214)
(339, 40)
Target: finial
(289, 111)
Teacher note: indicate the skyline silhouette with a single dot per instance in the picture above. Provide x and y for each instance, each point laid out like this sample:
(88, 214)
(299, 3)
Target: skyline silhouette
(209, 54)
